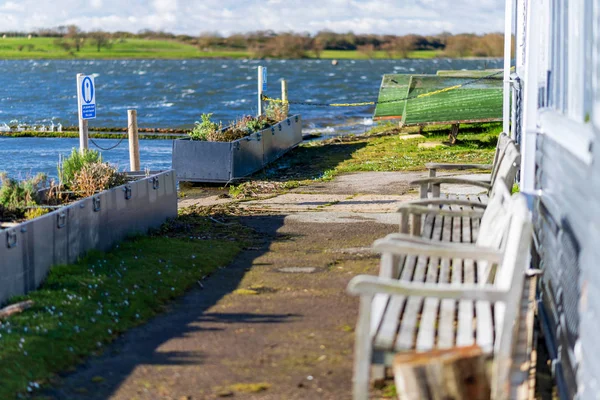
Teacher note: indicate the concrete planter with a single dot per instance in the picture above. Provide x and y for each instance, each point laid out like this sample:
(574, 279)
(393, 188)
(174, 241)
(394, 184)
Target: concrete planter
(30, 249)
(200, 161)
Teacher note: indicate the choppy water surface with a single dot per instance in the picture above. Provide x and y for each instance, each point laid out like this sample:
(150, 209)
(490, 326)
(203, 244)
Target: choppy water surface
(173, 94)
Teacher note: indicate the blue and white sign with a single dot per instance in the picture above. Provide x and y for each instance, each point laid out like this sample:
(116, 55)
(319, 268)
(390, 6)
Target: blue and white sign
(86, 96)
(264, 88)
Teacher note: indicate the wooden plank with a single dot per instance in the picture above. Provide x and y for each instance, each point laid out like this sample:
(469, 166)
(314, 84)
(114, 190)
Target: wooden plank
(447, 306)
(427, 327)
(410, 316)
(386, 334)
(457, 373)
(524, 365)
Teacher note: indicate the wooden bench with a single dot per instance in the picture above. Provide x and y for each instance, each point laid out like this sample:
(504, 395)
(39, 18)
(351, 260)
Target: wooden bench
(433, 295)
(507, 166)
(503, 140)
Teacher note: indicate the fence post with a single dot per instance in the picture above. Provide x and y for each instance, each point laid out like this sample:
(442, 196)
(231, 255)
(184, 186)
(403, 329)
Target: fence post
(260, 90)
(83, 123)
(284, 96)
(134, 143)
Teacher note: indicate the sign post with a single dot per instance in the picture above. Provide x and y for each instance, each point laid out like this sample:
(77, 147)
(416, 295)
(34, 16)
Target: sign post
(86, 106)
(260, 90)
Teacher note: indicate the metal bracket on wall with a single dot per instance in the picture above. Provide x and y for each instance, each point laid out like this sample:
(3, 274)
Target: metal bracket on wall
(155, 183)
(279, 125)
(296, 118)
(127, 190)
(96, 202)
(258, 137)
(289, 122)
(61, 219)
(272, 130)
(11, 238)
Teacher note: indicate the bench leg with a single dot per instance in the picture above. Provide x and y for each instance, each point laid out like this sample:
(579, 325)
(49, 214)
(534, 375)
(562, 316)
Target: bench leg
(432, 174)
(362, 350)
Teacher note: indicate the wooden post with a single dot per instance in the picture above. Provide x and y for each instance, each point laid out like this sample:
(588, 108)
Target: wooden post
(457, 373)
(284, 96)
(134, 143)
(260, 90)
(83, 123)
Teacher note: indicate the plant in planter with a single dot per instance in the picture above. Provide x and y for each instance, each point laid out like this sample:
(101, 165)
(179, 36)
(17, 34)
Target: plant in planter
(18, 199)
(85, 174)
(216, 154)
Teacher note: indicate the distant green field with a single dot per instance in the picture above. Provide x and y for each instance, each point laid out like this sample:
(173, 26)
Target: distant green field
(130, 48)
(40, 48)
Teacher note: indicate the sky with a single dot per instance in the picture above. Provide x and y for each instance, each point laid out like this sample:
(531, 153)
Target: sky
(193, 17)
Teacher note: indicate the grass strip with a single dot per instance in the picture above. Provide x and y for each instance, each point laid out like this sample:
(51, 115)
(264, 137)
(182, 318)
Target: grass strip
(83, 307)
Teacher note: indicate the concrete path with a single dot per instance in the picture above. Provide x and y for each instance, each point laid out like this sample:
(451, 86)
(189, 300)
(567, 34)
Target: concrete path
(277, 323)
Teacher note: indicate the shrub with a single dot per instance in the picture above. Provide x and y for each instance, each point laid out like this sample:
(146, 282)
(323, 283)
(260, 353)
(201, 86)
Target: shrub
(205, 129)
(68, 168)
(95, 177)
(16, 195)
(277, 111)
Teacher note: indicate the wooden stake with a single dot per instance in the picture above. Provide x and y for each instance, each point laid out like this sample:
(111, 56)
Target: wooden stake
(83, 123)
(260, 92)
(284, 96)
(134, 143)
(458, 373)
(453, 133)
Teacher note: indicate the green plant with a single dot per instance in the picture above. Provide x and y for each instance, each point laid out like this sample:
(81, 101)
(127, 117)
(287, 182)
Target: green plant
(16, 195)
(95, 177)
(205, 129)
(277, 111)
(35, 212)
(69, 166)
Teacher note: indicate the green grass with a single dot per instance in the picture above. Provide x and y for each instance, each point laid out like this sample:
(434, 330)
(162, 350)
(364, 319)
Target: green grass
(382, 149)
(129, 48)
(84, 306)
(46, 48)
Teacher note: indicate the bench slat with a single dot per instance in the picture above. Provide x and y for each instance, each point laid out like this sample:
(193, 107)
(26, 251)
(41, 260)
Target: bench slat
(386, 334)
(427, 327)
(447, 306)
(410, 316)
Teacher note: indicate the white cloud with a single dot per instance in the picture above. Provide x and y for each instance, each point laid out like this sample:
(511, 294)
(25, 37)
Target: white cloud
(229, 16)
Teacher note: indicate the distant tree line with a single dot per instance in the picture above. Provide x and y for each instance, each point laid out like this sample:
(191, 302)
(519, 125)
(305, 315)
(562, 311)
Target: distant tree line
(263, 44)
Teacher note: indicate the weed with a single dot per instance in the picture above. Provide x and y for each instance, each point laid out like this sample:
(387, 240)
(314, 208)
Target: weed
(69, 166)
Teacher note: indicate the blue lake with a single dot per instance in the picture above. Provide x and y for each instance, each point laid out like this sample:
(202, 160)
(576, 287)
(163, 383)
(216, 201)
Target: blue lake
(174, 93)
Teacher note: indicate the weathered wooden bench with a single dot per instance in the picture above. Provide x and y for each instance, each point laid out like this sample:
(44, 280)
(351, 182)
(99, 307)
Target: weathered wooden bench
(507, 162)
(503, 140)
(433, 295)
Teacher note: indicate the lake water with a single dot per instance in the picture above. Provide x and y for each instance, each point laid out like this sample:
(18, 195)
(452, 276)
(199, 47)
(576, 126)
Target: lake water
(174, 93)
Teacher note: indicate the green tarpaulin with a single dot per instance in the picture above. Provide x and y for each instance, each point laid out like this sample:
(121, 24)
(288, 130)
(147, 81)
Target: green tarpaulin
(429, 103)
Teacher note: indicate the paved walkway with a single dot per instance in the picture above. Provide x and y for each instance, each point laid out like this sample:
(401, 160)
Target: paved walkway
(277, 323)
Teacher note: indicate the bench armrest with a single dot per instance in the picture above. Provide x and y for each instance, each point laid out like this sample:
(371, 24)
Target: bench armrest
(436, 182)
(371, 285)
(450, 180)
(445, 202)
(403, 244)
(458, 166)
(420, 210)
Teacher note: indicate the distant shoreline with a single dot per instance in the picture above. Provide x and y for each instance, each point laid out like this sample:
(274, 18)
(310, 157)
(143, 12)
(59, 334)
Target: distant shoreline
(136, 49)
